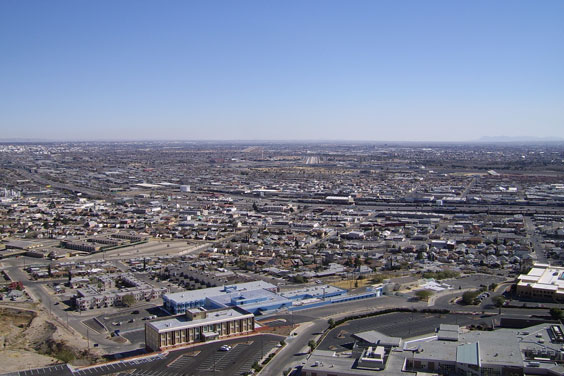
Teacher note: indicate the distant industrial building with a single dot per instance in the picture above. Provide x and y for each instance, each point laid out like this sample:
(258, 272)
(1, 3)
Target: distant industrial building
(543, 282)
(100, 243)
(344, 200)
(198, 325)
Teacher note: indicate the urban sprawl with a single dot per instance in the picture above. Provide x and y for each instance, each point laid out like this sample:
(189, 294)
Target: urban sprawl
(314, 259)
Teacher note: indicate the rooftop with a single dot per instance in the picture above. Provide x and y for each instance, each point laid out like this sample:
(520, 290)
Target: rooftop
(214, 316)
(544, 276)
(195, 295)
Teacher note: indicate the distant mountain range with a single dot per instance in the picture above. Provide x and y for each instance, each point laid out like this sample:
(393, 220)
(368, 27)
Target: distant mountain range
(32, 140)
(484, 139)
(519, 139)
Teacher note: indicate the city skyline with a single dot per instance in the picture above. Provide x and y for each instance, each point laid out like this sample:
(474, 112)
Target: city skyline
(371, 71)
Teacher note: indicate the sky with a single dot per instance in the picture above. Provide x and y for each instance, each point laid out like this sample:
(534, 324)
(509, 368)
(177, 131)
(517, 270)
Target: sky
(371, 70)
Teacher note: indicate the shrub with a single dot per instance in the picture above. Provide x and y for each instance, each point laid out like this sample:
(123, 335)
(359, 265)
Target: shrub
(469, 297)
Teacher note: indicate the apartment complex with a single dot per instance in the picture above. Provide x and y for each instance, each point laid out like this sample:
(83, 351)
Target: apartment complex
(106, 295)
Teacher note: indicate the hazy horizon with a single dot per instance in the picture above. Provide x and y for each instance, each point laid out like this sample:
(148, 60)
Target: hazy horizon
(329, 71)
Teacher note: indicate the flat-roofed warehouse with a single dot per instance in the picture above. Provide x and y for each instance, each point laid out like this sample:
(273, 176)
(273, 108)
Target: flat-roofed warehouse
(198, 325)
(254, 295)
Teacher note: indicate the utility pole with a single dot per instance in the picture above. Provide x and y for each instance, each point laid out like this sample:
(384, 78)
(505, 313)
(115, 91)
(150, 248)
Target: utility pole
(261, 348)
(88, 338)
(292, 318)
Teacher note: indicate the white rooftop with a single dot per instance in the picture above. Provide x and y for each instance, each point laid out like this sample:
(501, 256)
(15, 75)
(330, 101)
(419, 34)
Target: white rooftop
(545, 277)
(181, 322)
(195, 295)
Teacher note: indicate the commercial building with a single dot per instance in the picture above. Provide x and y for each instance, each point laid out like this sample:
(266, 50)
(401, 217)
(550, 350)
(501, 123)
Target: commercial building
(311, 292)
(543, 282)
(198, 325)
(256, 295)
(537, 350)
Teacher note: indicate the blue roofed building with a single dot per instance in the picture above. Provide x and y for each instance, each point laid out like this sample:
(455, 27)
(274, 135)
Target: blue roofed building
(253, 296)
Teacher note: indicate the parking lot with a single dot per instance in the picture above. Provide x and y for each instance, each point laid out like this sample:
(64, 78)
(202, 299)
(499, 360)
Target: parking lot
(135, 336)
(117, 366)
(202, 360)
(209, 360)
(474, 281)
(59, 370)
(402, 324)
(130, 320)
(221, 361)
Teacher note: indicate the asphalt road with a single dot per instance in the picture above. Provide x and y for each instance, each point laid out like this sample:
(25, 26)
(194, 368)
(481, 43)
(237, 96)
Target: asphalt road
(293, 353)
(66, 317)
(401, 324)
(347, 308)
(474, 281)
(314, 320)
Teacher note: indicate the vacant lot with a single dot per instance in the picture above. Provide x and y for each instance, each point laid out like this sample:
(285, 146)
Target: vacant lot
(29, 340)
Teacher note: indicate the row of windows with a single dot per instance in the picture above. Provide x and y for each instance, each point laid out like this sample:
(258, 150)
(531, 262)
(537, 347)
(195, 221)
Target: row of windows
(190, 335)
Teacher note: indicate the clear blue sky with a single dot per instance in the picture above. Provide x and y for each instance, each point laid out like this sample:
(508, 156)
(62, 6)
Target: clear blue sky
(292, 70)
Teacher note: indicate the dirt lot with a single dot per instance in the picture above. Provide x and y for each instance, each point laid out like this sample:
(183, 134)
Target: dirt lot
(350, 284)
(28, 339)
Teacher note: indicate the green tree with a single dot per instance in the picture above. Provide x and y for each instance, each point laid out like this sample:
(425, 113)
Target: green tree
(556, 313)
(300, 279)
(312, 344)
(423, 295)
(256, 366)
(469, 297)
(128, 300)
(378, 278)
(498, 301)
(331, 323)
